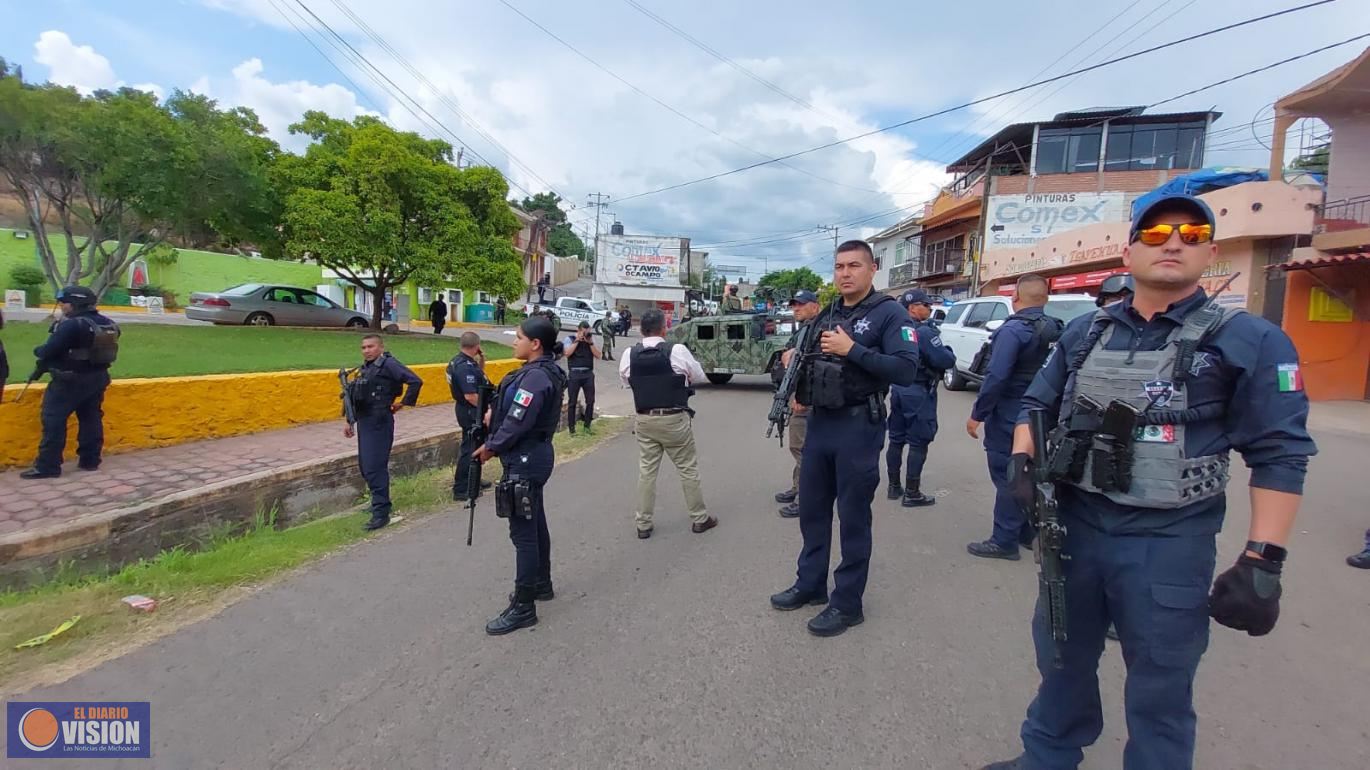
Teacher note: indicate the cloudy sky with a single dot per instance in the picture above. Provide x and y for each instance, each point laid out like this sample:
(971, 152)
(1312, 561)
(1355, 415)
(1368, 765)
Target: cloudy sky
(783, 76)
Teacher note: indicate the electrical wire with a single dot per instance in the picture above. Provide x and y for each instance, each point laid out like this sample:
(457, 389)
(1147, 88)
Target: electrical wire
(982, 100)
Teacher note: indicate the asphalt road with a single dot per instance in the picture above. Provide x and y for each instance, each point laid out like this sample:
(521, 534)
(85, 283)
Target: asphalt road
(664, 653)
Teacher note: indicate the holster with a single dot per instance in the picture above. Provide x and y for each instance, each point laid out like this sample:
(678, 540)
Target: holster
(504, 497)
(527, 498)
(1103, 463)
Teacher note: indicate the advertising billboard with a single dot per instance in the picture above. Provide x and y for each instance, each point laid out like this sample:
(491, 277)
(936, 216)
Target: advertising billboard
(1021, 221)
(640, 260)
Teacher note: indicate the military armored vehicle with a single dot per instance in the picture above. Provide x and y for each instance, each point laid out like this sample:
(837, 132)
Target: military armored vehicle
(733, 343)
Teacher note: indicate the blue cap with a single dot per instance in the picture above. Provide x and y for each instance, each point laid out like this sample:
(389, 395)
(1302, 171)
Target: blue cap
(803, 297)
(915, 297)
(1178, 201)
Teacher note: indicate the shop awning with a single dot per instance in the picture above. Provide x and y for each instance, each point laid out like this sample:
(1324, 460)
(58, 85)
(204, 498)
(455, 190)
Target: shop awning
(647, 293)
(1325, 260)
(1080, 280)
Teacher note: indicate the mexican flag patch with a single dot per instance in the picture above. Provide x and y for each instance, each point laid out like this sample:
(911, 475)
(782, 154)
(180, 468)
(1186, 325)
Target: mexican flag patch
(1290, 379)
(523, 397)
(908, 334)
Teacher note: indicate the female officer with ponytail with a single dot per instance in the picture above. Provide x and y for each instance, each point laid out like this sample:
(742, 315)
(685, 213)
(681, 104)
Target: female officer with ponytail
(526, 413)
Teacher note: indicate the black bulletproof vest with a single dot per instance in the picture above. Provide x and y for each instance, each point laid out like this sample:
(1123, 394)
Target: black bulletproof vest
(1046, 330)
(374, 388)
(833, 381)
(655, 384)
(581, 357)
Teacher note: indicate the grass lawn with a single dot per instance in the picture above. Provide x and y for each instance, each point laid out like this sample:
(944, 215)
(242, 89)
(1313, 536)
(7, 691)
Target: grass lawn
(166, 350)
(193, 585)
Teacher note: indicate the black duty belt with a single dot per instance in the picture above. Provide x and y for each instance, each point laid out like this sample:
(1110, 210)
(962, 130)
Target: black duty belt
(659, 412)
(582, 368)
(843, 411)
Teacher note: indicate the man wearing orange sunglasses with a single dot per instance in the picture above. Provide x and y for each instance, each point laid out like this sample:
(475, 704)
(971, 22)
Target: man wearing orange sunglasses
(1150, 395)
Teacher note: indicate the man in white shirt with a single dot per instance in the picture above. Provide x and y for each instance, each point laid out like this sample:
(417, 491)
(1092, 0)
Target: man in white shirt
(660, 374)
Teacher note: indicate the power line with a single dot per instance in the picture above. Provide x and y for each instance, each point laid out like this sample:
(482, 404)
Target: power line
(442, 97)
(721, 57)
(981, 100)
(675, 111)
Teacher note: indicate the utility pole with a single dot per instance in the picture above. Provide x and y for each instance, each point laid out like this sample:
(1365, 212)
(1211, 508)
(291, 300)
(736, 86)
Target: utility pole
(599, 201)
(831, 229)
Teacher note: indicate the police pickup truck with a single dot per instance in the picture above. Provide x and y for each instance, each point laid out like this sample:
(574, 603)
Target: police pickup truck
(568, 312)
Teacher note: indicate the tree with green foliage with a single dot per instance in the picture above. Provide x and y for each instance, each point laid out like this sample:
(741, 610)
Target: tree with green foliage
(380, 207)
(561, 239)
(1314, 162)
(119, 174)
(791, 281)
(828, 293)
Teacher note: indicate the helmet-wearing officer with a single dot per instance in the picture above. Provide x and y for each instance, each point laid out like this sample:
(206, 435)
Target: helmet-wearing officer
(913, 408)
(731, 302)
(78, 353)
(806, 308)
(379, 381)
(580, 364)
(466, 379)
(867, 343)
(1142, 511)
(525, 416)
(1114, 289)
(1017, 351)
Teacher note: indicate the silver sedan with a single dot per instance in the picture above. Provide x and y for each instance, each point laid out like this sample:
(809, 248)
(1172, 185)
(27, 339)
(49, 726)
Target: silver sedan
(259, 304)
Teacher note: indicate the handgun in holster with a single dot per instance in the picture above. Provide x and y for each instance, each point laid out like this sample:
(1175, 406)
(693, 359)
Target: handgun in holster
(1111, 452)
(504, 497)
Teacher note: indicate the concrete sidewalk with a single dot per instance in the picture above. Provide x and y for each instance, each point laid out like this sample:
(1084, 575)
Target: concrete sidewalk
(135, 478)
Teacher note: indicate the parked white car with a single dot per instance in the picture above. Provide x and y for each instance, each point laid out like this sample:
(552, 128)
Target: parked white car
(969, 323)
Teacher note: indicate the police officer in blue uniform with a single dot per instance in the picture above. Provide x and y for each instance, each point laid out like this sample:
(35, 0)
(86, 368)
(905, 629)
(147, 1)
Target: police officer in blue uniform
(379, 381)
(526, 413)
(78, 353)
(1142, 511)
(466, 379)
(866, 343)
(1017, 351)
(913, 409)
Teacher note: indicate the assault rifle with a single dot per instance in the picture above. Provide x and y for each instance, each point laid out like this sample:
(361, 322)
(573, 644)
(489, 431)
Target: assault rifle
(473, 480)
(38, 371)
(349, 409)
(780, 408)
(1051, 535)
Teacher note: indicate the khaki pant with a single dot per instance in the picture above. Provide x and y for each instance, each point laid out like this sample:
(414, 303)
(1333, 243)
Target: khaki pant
(672, 435)
(799, 428)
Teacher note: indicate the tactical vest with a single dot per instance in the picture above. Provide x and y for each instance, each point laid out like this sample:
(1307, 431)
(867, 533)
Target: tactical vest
(832, 382)
(549, 418)
(1046, 330)
(373, 388)
(1153, 382)
(655, 384)
(104, 345)
(581, 357)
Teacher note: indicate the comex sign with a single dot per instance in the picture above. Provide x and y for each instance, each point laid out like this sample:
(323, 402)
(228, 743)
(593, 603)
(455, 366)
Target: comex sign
(1017, 221)
(640, 260)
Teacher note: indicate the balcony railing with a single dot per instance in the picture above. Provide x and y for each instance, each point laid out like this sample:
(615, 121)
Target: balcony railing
(903, 274)
(945, 261)
(1345, 214)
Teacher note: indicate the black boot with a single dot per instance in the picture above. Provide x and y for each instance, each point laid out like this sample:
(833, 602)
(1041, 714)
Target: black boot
(541, 592)
(914, 497)
(521, 613)
(895, 491)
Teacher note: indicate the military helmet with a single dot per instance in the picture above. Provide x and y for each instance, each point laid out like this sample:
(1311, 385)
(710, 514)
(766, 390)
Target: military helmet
(1113, 286)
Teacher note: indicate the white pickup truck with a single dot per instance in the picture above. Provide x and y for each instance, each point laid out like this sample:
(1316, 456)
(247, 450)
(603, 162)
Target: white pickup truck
(568, 312)
(969, 323)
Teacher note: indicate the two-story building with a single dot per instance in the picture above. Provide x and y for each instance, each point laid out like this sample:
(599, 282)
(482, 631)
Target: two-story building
(896, 250)
(1327, 284)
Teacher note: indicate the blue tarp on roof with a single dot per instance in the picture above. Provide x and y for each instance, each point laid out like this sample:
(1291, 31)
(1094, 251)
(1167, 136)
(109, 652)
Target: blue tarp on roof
(1202, 181)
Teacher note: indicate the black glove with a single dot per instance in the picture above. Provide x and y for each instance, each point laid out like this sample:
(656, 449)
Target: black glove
(1247, 596)
(1020, 481)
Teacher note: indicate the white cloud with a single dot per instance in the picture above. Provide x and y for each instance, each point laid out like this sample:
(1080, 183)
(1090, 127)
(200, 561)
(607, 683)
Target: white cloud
(153, 89)
(280, 104)
(78, 66)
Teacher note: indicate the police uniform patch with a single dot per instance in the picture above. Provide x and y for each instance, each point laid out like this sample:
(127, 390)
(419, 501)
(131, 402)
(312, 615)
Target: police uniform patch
(862, 326)
(909, 334)
(1201, 362)
(523, 397)
(936, 341)
(471, 378)
(518, 412)
(1291, 381)
(1158, 392)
